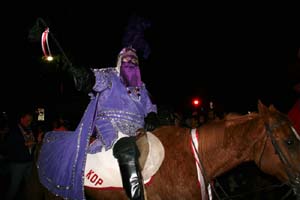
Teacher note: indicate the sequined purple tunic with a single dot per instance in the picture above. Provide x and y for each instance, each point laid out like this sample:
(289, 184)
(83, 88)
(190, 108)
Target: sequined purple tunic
(114, 108)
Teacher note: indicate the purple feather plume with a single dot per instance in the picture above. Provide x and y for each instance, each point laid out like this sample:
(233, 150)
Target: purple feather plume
(135, 35)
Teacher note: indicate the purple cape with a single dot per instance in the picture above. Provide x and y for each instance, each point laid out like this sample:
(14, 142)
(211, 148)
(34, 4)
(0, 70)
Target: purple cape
(62, 158)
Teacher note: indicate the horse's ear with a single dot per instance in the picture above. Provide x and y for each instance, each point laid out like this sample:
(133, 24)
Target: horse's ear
(272, 108)
(262, 109)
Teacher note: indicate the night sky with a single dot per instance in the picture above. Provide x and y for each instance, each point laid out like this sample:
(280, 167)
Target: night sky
(232, 58)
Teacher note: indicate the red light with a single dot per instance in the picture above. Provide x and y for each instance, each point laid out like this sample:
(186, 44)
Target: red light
(196, 102)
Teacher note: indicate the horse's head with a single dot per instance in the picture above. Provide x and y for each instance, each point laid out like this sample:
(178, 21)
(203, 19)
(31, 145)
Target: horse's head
(279, 152)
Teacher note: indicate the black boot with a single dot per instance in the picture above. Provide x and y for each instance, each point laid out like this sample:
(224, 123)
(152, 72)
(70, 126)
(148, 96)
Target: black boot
(127, 154)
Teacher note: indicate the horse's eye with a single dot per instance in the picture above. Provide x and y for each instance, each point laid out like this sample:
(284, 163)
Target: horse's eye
(289, 142)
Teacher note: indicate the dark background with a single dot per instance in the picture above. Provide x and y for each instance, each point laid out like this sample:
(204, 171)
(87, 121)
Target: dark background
(231, 56)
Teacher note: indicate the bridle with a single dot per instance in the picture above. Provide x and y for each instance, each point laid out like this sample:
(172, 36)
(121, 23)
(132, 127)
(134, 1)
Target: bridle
(294, 178)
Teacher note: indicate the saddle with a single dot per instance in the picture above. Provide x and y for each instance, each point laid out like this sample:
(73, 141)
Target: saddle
(102, 169)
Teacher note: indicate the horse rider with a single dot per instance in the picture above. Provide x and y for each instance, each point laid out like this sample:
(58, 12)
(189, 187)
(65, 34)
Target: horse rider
(120, 105)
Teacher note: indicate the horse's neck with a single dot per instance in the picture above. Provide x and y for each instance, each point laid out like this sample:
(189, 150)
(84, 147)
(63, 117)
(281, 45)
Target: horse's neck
(211, 148)
(222, 150)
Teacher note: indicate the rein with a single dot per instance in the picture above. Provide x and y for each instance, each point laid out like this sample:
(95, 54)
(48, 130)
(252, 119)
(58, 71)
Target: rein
(262, 153)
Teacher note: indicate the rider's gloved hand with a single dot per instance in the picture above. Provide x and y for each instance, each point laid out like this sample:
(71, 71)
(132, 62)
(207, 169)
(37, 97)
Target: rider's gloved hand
(151, 121)
(83, 78)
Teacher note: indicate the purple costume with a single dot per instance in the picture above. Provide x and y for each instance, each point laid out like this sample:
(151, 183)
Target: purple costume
(114, 107)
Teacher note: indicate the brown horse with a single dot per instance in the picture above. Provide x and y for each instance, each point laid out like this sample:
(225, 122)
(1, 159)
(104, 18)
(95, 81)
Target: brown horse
(266, 138)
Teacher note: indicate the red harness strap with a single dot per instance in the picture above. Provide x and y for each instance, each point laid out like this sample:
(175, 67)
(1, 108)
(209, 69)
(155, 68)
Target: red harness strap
(294, 116)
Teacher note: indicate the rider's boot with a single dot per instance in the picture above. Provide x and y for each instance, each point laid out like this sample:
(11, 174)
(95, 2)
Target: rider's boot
(127, 154)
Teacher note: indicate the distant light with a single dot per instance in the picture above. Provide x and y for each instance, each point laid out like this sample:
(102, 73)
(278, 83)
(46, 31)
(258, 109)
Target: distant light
(41, 114)
(196, 102)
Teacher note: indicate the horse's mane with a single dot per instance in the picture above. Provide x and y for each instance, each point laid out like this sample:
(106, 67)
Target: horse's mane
(241, 130)
(240, 124)
(236, 116)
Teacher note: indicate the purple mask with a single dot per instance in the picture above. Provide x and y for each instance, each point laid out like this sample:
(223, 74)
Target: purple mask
(130, 73)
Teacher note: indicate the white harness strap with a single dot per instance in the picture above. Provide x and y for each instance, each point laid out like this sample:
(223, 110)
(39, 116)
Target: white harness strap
(296, 134)
(194, 144)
